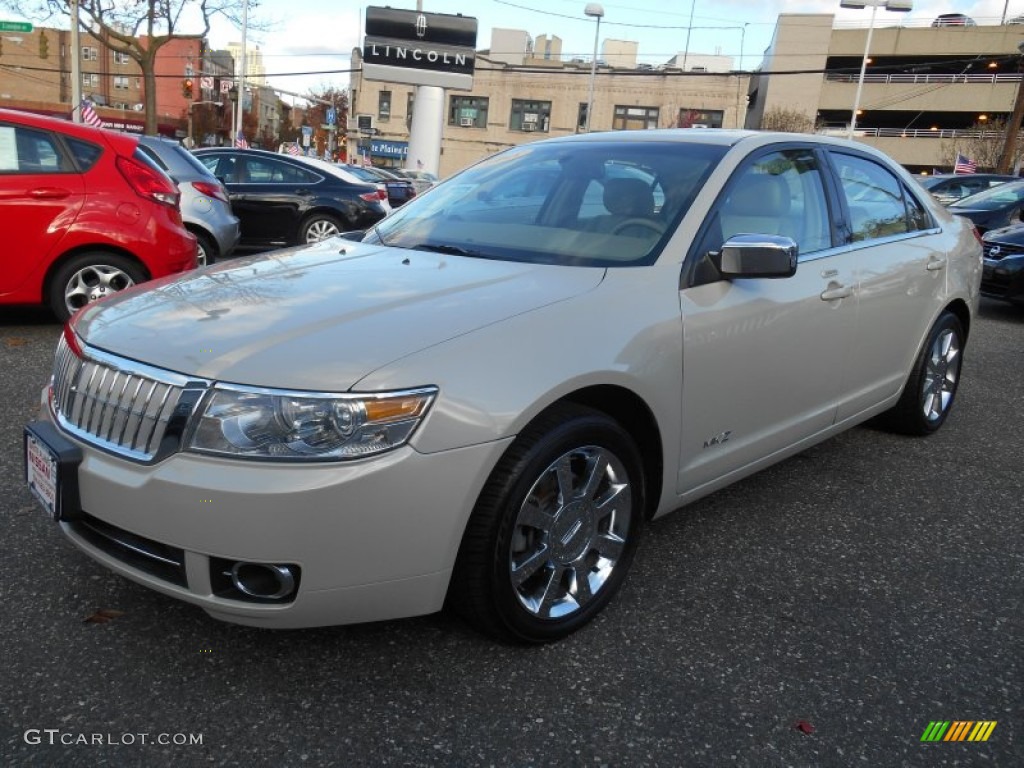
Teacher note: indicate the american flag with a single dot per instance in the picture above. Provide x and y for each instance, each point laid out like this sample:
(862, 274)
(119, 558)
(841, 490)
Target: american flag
(240, 141)
(293, 150)
(89, 116)
(964, 165)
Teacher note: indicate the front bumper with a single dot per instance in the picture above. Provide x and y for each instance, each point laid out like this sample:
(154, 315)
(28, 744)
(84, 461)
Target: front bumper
(1003, 278)
(373, 539)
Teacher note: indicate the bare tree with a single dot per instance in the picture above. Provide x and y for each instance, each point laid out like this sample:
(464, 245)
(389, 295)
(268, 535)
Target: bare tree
(136, 28)
(983, 144)
(788, 120)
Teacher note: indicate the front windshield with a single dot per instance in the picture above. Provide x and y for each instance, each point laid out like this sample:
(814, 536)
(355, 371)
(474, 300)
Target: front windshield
(610, 203)
(991, 199)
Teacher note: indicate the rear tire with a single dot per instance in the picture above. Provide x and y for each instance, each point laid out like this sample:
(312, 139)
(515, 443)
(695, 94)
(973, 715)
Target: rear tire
(318, 227)
(554, 531)
(206, 251)
(88, 277)
(931, 387)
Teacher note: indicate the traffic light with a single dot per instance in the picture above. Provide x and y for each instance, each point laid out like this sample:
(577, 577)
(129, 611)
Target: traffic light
(186, 87)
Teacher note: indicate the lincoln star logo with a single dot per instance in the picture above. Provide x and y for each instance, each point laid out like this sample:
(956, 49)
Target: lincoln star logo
(421, 25)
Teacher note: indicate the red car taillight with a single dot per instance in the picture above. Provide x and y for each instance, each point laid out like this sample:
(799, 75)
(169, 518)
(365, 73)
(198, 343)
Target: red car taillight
(147, 182)
(371, 197)
(212, 189)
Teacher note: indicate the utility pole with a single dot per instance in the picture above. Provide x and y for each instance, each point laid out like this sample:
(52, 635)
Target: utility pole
(1013, 126)
(76, 66)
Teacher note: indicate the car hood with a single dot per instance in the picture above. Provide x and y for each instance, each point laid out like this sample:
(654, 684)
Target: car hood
(319, 317)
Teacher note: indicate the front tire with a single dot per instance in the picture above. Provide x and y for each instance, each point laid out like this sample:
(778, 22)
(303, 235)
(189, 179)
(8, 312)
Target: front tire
(554, 530)
(88, 277)
(931, 387)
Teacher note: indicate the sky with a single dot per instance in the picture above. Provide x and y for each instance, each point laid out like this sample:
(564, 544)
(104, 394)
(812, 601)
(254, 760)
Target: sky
(321, 36)
(307, 45)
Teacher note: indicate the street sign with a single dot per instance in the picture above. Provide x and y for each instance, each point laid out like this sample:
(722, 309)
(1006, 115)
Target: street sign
(15, 26)
(332, 116)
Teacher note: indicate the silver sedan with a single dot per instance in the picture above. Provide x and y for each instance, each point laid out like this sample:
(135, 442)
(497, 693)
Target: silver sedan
(480, 404)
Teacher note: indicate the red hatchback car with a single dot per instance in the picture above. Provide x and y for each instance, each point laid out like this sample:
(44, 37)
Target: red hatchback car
(84, 214)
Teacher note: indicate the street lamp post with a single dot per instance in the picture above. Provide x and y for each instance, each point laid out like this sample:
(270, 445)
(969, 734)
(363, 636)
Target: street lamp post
(901, 6)
(595, 10)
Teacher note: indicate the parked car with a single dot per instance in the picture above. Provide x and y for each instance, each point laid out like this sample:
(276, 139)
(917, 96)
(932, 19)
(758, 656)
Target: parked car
(205, 207)
(400, 190)
(950, 187)
(283, 200)
(421, 179)
(459, 408)
(1003, 273)
(994, 208)
(953, 20)
(87, 214)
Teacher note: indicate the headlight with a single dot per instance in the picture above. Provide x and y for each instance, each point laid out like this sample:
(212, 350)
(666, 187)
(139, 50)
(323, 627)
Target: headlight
(277, 424)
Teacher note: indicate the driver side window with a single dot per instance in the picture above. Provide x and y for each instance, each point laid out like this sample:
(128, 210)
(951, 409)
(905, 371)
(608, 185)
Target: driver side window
(780, 193)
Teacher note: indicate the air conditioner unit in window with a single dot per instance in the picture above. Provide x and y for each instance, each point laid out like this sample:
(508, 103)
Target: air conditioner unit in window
(529, 126)
(466, 122)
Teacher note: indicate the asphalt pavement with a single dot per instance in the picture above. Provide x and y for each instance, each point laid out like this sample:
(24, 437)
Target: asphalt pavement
(821, 613)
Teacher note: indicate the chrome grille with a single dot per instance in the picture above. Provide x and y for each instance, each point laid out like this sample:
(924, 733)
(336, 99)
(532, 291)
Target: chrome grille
(126, 407)
(996, 250)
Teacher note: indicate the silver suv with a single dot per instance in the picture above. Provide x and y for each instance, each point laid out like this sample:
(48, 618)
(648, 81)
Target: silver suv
(205, 207)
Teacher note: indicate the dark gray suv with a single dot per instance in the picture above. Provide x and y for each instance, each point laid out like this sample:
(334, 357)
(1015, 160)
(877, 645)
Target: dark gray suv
(205, 207)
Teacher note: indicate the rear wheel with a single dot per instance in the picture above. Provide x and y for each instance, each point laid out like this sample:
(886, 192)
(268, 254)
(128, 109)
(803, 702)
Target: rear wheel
(206, 251)
(90, 276)
(318, 227)
(554, 530)
(931, 388)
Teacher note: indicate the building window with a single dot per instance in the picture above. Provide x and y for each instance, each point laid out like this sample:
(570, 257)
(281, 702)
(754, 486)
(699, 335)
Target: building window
(635, 118)
(89, 53)
(120, 81)
(468, 111)
(384, 105)
(121, 58)
(90, 79)
(700, 118)
(530, 116)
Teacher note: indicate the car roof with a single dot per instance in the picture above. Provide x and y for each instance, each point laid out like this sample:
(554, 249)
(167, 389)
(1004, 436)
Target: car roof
(123, 142)
(178, 159)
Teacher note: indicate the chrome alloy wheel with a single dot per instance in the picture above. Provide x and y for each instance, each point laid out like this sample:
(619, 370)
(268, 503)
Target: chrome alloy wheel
(321, 229)
(93, 282)
(570, 532)
(942, 370)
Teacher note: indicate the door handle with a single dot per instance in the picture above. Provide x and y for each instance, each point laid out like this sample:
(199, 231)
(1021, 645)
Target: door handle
(935, 264)
(835, 291)
(49, 193)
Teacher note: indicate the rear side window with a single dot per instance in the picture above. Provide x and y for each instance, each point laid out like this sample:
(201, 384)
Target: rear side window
(24, 150)
(85, 153)
(268, 172)
(880, 206)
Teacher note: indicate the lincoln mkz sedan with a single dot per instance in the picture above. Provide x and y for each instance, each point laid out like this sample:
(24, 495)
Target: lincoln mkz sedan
(482, 407)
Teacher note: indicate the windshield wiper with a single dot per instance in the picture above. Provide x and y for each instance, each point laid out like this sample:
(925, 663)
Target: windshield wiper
(454, 250)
